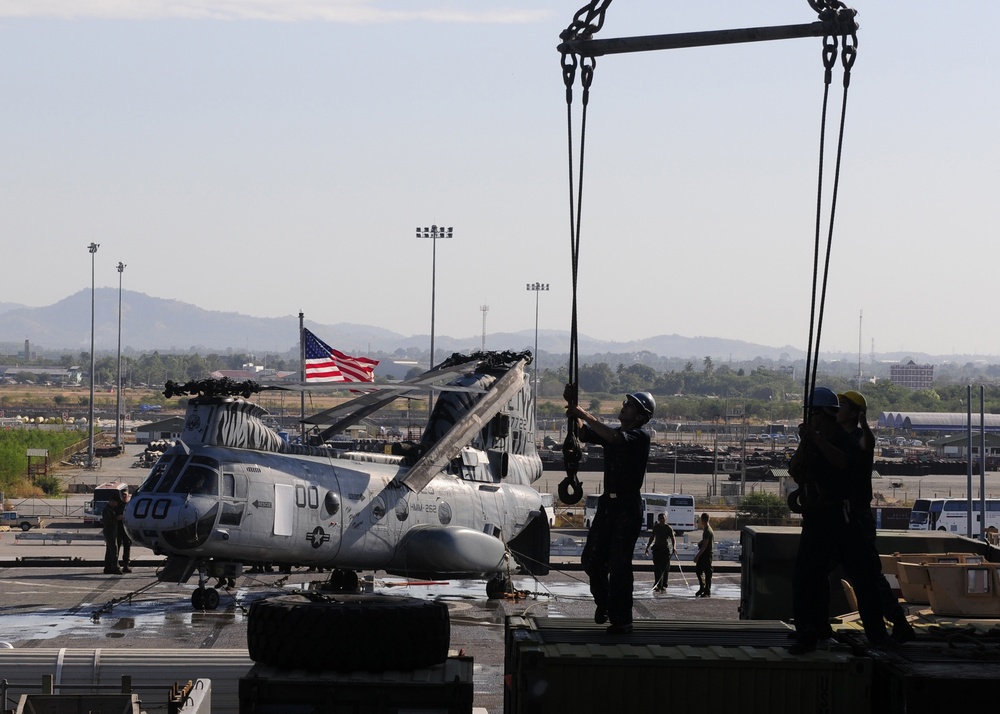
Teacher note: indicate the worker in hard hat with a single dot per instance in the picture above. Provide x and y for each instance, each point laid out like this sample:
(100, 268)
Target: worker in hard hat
(828, 459)
(607, 555)
(853, 418)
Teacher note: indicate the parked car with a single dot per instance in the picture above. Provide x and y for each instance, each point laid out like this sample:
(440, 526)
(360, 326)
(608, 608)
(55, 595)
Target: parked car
(25, 523)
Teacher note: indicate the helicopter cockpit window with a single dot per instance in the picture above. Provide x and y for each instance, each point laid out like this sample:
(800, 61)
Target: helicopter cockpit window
(155, 475)
(198, 480)
(234, 485)
(165, 484)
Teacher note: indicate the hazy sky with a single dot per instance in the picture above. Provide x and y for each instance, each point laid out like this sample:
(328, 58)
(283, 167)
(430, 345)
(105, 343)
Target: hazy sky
(271, 156)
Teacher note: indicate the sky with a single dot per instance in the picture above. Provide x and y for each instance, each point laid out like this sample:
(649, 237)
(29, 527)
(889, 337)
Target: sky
(271, 156)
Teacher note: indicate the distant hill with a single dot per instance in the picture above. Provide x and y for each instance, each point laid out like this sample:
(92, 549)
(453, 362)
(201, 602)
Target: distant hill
(7, 306)
(150, 323)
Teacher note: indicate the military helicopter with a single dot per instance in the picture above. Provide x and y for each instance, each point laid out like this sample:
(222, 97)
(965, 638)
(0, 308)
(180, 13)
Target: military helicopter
(232, 492)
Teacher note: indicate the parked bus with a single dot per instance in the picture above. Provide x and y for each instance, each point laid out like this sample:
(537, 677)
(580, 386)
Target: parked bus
(678, 508)
(951, 514)
(92, 510)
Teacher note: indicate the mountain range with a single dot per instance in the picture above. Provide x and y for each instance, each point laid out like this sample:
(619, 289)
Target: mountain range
(151, 323)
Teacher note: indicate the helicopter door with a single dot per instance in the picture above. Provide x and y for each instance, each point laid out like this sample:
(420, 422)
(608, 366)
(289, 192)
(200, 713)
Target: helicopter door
(233, 501)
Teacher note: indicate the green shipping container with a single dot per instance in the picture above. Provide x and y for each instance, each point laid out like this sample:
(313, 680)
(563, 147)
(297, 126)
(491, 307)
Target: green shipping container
(567, 665)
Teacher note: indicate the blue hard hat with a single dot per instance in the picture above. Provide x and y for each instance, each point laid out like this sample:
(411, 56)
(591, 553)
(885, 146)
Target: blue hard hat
(823, 398)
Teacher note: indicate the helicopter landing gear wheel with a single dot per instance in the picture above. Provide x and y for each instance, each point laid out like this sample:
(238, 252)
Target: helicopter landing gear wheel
(498, 586)
(205, 599)
(348, 632)
(341, 581)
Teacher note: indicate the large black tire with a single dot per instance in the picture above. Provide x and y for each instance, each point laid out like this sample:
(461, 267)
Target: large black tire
(348, 632)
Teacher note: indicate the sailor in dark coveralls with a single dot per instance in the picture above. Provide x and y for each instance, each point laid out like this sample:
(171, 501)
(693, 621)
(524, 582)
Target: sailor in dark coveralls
(827, 466)
(607, 556)
(853, 418)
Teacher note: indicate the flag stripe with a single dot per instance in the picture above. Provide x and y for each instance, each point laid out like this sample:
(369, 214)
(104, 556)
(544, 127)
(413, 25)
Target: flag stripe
(325, 364)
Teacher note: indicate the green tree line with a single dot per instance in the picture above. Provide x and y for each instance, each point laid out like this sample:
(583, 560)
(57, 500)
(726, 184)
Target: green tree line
(684, 389)
(708, 392)
(14, 445)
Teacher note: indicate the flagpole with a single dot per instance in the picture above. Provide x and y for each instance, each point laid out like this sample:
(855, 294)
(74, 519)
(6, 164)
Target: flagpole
(302, 376)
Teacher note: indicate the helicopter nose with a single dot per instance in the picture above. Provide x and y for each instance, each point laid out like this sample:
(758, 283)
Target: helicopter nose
(194, 533)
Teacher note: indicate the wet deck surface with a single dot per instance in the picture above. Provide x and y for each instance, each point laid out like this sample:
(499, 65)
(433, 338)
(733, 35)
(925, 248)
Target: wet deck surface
(72, 604)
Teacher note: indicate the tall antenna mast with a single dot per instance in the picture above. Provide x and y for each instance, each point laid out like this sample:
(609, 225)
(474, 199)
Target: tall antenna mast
(861, 314)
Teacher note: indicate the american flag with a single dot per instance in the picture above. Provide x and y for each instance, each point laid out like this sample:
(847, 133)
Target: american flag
(325, 364)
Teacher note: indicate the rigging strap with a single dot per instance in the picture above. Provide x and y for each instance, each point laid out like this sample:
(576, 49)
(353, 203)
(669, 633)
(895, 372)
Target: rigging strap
(586, 22)
(808, 493)
(829, 10)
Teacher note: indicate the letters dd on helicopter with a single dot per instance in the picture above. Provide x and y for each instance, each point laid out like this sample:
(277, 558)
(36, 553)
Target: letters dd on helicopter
(231, 492)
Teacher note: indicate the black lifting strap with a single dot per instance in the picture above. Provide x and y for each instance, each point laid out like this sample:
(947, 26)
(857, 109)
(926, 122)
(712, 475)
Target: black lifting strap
(808, 493)
(586, 22)
(831, 10)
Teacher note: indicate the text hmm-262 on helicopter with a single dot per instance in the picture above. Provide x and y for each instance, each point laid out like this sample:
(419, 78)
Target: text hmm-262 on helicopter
(232, 492)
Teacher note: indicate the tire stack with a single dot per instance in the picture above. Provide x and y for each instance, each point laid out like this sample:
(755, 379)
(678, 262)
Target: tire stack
(313, 651)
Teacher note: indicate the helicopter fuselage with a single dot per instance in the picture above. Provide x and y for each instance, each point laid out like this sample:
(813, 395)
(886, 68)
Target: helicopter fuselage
(232, 505)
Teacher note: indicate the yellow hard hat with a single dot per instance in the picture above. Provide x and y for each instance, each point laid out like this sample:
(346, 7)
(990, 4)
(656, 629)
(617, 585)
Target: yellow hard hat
(855, 398)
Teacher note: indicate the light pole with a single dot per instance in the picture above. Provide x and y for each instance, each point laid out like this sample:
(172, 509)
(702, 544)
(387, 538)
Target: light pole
(536, 288)
(90, 442)
(118, 392)
(433, 233)
(484, 309)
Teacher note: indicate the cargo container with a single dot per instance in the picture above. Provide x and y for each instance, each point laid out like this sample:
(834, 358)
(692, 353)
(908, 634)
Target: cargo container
(555, 665)
(445, 688)
(954, 669)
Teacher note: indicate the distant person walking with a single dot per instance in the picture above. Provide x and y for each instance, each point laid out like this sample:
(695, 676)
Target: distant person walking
(703, 558)
(607, 556)
(663, 543)
(123, 538)
(109, 525)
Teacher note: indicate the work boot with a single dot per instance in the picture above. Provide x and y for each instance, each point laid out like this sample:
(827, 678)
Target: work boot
(886, 644)
(902, 631)
(802, 645)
